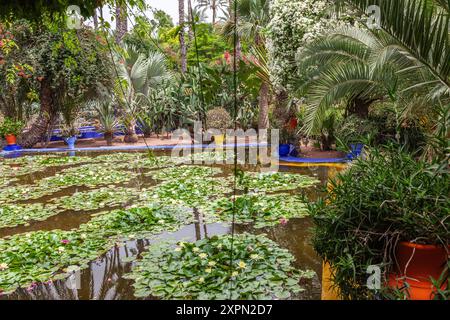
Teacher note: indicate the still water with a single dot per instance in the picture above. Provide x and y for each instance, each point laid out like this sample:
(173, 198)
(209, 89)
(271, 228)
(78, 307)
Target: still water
(104, 277)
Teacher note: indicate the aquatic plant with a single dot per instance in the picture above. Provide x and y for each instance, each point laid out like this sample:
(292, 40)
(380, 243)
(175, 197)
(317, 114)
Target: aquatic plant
(273, 181)
(201, 270)
(96, 199)
(261, 210)
(12, 215)
(87, 175)
(192, 192)
(185, 172)
(46, 255)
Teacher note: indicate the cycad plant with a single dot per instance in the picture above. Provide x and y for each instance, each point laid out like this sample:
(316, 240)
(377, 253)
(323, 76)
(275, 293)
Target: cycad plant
(358, 67)
(137, 74)
(109, 123)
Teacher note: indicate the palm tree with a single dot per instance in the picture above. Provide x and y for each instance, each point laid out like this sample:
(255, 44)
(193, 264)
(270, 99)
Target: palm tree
(183, 48)
(214, 6)
(408, 59)
(121, 21)
(138, 73)
(253, 17)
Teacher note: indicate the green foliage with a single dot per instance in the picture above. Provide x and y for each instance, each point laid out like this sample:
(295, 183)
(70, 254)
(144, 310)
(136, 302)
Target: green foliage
(218, 118)
(274, 181)
(96, 199)
(10, 126)
(12, 215)
(260, 210)
(375, 203)
(202, 270)
(185, 172)
(45, 255)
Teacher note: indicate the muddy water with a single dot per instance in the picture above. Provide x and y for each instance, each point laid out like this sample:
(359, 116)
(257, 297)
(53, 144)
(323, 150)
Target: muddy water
(104, 277)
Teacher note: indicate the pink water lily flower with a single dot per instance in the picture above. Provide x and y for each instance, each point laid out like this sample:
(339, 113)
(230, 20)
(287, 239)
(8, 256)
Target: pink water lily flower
(283, 221)
(65, 241)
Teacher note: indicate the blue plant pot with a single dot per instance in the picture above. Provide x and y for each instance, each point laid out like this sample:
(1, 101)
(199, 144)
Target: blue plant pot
(12, 147)
(71, 142)
(284, 150)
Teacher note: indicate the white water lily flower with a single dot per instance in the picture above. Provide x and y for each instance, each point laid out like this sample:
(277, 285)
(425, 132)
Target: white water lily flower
(254, 256)
(242, 265)
(203, 255)
(3, 266)
(235, 274)
(61, 249)
(212, 263)
(208, 270)
(195, 249)
(201, 280)
(177, 249)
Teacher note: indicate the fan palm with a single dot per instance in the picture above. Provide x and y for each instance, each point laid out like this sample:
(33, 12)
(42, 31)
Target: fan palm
(214, 5)
(137, 74)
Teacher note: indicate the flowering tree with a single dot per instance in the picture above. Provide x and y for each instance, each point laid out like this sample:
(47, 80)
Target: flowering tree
(294, 23)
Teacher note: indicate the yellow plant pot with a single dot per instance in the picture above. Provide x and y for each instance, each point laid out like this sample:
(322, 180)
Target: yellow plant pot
(329, 291)
(219, 139)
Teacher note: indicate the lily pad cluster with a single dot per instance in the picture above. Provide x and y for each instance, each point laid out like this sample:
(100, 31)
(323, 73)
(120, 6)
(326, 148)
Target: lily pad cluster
(12, 215)
(185, 173)
(25, 192)
(260, 209)
(45, 255)
(274, 181)
(88, 175)
(259, 269)
(192, 192)
(96, 199)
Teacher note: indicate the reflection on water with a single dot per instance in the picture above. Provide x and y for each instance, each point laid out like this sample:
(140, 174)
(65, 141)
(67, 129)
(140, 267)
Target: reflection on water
(103, 279)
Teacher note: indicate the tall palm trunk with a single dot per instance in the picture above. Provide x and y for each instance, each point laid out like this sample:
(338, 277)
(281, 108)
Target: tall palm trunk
(46, 116)
(182, 39)
(238, 41)
(214, 11)
(263, 122)
(95, 18)
(121, 22)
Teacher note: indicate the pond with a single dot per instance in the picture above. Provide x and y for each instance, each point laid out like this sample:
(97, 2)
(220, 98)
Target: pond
(72, 227)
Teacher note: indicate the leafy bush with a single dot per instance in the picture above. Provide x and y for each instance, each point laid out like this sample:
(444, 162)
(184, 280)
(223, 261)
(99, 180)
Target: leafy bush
(377, 202)
(10, 126)
(218, 118)
(354, 129)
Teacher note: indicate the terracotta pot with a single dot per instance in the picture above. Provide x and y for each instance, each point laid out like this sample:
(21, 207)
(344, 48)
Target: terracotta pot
(10, 139)
(417, 264)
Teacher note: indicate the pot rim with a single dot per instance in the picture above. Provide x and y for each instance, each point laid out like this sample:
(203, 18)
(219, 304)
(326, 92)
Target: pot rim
(422, 246)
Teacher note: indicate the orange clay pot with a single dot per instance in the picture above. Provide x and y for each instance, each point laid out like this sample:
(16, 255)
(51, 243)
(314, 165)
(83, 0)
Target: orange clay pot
(417, 264)
(10, 139)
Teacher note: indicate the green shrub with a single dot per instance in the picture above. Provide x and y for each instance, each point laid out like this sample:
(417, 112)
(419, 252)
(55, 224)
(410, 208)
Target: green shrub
(377, 202)
(10, 126)
(218, 118)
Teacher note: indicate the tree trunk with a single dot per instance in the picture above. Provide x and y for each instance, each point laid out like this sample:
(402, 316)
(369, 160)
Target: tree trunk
(359, 107)
(234, 19)
(109, 138)
(263, 122)
(95, 18)
(121, 22)
(326, 141)
(46, 115)
(182, 39)
(130, 135)
(214, 11)
(191, 22)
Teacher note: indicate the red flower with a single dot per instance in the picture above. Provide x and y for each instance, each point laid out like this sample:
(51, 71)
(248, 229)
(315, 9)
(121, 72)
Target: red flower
(65, 241)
